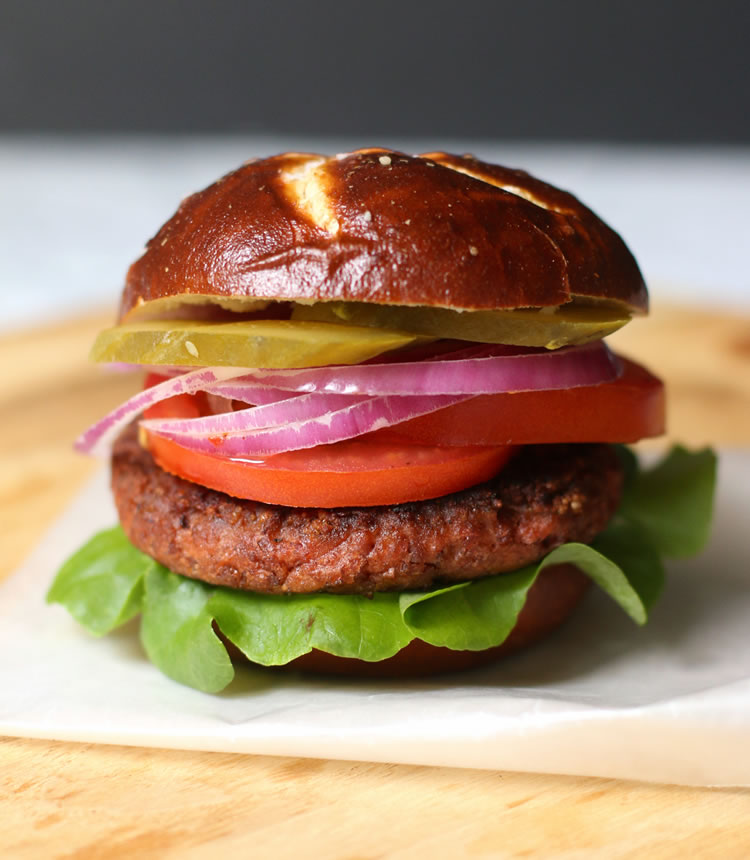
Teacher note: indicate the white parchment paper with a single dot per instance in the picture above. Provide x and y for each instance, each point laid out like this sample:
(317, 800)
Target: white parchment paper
(669, 702)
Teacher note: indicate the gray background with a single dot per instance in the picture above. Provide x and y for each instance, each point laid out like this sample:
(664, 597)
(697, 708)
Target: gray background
(579, 70)
(112, 111)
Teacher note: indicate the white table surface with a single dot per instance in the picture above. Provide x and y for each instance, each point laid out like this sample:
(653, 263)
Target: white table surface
(74, 212)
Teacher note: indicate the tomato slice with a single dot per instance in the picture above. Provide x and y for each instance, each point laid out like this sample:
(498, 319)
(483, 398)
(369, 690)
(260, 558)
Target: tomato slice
(345, 474)
(630, 408)
(357, 472)
(427, 457)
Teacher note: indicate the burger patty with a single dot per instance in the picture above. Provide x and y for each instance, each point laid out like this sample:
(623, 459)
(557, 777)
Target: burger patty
(547, 495)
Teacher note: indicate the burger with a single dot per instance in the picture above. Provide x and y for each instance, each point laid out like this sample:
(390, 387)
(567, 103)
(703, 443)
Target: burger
(380, 431)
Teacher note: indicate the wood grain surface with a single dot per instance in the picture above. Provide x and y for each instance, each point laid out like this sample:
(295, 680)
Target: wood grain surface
(86, 801)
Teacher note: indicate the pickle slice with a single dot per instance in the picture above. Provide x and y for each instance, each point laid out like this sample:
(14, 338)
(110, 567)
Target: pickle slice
(548, 327)
(250, 343)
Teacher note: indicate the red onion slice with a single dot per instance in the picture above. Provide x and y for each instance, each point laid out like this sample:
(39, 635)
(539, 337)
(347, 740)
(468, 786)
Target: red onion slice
(317, 423)
(300, 407)
(97, 439)
(344, 401)
(569, 367)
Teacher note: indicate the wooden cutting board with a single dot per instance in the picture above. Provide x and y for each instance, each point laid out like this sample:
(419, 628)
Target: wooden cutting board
(76, 800)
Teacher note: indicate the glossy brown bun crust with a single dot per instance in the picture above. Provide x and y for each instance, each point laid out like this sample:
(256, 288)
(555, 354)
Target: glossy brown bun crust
(553, 597)
(379, 226)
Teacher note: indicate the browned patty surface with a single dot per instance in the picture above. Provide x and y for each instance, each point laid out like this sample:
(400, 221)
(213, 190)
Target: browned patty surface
(547, 495)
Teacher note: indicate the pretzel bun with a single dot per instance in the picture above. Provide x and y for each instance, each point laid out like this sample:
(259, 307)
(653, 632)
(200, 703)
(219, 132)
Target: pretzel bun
(379, 226)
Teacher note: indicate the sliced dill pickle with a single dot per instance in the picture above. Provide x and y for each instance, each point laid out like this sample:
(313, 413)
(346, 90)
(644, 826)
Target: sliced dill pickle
(250, 343)
(548, 327)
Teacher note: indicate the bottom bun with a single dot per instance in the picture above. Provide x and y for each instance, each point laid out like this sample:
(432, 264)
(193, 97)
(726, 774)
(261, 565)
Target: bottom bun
(553, 597)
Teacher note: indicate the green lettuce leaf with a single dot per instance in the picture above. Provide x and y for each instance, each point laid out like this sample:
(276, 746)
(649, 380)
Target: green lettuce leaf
(470, 616)
(177, 631)
(273, 629)
(664, 511)
(101, 585)
(625, 545)
(673, 501)
(478, 615)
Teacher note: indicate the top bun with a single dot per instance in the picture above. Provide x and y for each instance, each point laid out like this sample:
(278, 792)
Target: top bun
(379, 226)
